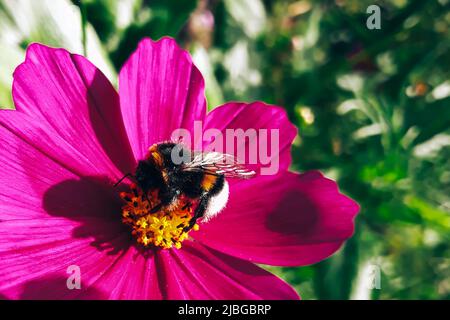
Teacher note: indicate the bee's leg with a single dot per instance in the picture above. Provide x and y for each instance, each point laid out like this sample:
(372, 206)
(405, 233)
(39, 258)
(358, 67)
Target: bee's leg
(199, 211)
(156, 208)
(187, 205)
(123, 178)
(166, 198)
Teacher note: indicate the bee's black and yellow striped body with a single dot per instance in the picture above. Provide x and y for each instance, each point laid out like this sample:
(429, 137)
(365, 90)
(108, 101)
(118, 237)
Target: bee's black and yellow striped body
(158, 171)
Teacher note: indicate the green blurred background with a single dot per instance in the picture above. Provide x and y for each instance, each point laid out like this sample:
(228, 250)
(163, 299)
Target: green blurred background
(372, 108)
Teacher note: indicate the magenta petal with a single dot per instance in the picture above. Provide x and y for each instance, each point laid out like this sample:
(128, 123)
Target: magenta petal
(67, 93)
(35, 255)
(41, 272)
(50, 217)
(267, 122)
(160, 91)
(29, 167)
(132, 277)
(287, 220)
(195, 272)
(41, 167)
(19, 130)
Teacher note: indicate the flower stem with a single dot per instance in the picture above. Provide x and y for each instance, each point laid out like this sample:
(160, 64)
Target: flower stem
(83, 26)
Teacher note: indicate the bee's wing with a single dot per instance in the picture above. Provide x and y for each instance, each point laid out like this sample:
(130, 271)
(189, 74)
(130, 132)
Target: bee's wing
(216, 163)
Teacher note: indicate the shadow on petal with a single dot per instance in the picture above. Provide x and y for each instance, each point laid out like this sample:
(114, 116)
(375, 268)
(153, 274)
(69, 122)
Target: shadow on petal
(55, 288)
(96, 206)
(296, 214)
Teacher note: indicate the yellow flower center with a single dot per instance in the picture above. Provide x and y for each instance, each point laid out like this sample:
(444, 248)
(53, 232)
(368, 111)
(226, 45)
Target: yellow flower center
(164, 228)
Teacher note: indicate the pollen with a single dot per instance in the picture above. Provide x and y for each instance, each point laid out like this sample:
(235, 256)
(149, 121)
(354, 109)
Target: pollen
(164, 228)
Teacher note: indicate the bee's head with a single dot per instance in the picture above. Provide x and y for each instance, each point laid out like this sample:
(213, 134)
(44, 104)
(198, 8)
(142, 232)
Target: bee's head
(173, 155)
(149, 175)
(161, 162)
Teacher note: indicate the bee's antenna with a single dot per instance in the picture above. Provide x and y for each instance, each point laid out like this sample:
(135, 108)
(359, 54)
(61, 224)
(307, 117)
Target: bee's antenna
(121, 179)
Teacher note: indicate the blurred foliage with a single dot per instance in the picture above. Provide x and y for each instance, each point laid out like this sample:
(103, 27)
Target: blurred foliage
(372, 108)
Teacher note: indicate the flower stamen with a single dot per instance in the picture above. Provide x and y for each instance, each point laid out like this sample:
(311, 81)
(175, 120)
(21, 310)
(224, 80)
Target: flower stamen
(163, 228)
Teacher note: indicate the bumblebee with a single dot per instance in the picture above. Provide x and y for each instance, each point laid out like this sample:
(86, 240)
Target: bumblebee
(199, 177)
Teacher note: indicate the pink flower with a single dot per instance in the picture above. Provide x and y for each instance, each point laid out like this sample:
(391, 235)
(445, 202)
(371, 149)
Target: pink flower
(72, 136)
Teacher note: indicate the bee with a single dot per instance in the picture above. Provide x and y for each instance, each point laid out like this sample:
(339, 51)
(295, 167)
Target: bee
(199, 177)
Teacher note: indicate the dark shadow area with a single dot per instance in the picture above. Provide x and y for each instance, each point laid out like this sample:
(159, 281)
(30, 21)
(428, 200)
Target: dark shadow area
(54, 287)
(96, 205)
(295, 214)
